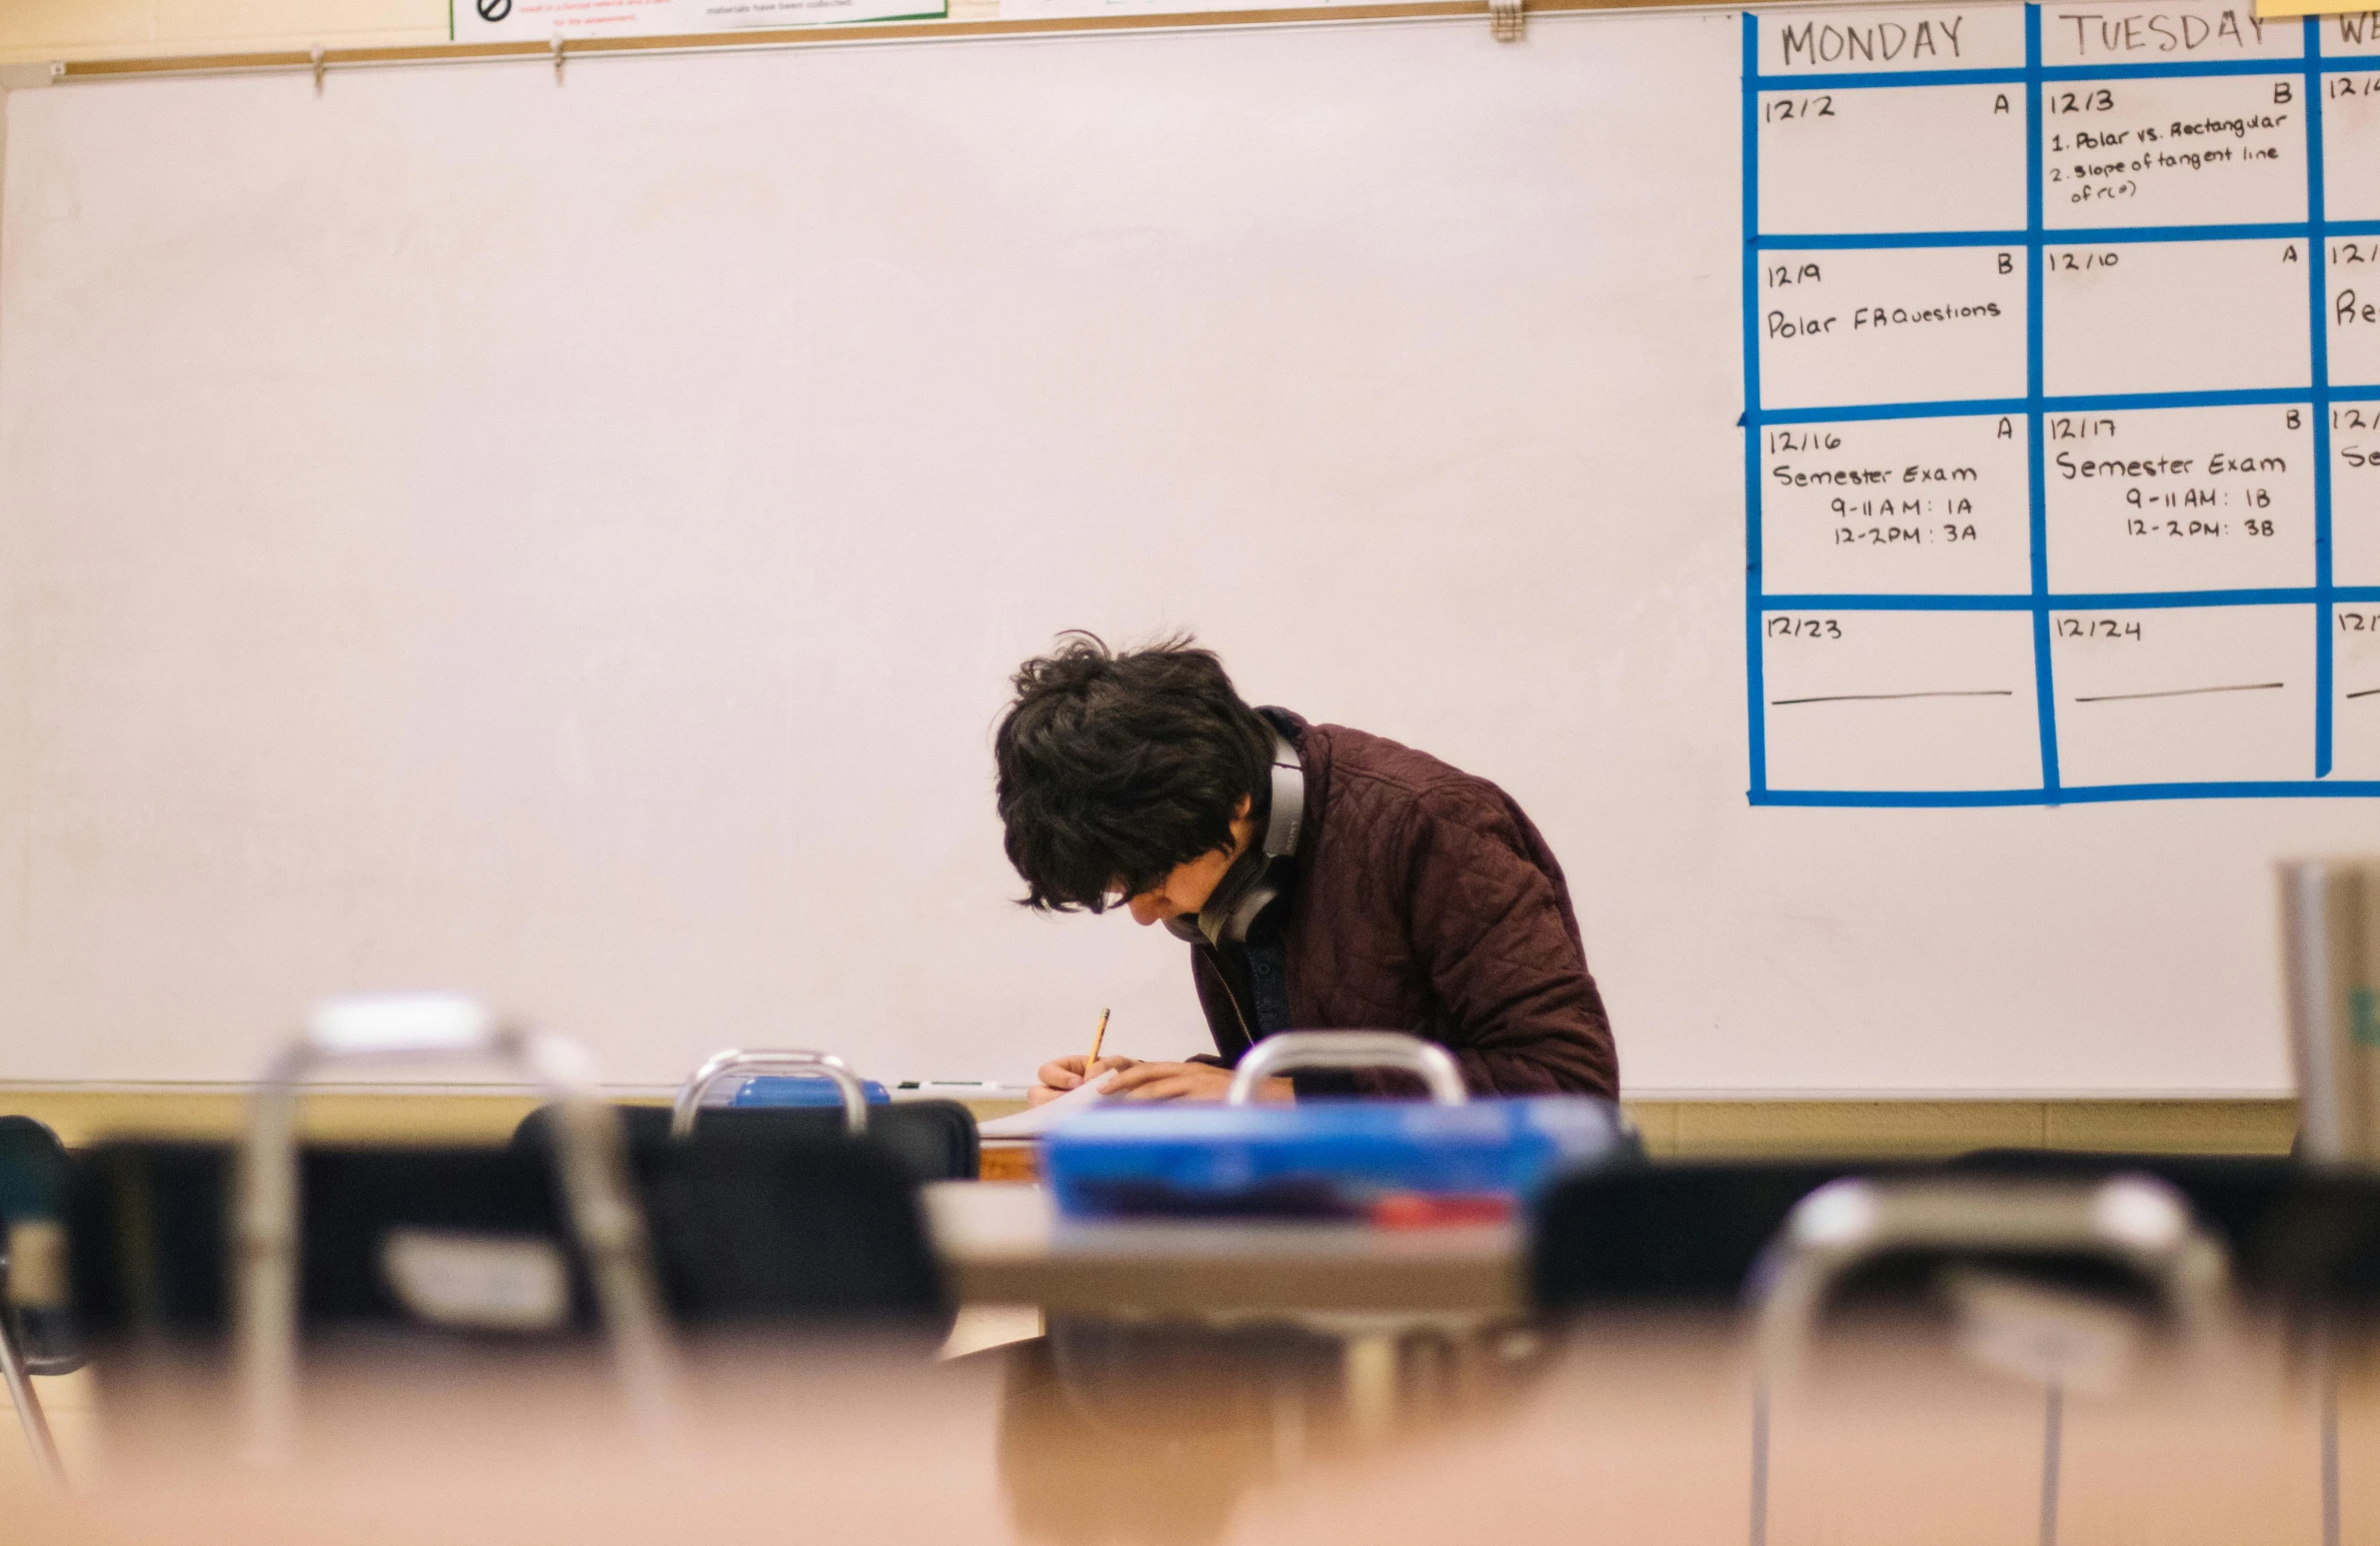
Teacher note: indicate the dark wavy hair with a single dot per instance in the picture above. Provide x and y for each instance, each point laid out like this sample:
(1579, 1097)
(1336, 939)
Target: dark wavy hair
(1117, 767)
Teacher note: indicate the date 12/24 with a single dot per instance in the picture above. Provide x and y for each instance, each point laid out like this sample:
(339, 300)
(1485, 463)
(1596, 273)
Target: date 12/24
(2096, 628)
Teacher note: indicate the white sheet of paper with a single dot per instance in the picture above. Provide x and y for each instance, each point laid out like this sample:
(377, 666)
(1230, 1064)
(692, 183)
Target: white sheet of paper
(1036, 1121)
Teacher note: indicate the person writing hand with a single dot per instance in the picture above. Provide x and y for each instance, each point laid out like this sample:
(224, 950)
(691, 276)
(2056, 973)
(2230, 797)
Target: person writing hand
(1137, 1080)
(1061, 1074)
(1186, 1082)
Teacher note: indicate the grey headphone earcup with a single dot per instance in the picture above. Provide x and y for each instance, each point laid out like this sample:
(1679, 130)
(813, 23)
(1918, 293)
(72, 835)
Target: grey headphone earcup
(1249, 886)
(1242, 893)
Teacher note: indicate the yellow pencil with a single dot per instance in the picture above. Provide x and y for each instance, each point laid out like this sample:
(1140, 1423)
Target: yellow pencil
(1098, 1038)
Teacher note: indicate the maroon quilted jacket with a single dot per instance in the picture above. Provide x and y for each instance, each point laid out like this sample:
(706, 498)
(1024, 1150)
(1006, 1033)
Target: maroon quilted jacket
(1426, 902)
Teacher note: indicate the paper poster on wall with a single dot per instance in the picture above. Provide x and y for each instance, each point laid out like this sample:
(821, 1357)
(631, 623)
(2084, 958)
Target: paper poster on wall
(515, 21)
(1042, 10)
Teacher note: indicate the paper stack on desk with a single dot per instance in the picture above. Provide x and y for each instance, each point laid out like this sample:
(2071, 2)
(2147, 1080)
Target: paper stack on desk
(1036, 1121)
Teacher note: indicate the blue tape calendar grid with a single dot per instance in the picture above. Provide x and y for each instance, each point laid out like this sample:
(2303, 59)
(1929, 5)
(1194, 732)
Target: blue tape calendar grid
(1752, 582)
(2045, 702)
(2322, 595)
(2318, 330)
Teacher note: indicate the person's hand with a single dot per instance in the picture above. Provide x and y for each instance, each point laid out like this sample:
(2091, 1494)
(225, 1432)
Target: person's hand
(1061, 1074)
(1186, 1082)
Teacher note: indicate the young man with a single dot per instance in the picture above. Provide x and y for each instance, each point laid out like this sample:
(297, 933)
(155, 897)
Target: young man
(1326, 880)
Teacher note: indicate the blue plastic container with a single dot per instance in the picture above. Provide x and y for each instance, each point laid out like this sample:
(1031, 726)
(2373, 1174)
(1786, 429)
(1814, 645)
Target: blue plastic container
(802, 1089)
(1324, 1158)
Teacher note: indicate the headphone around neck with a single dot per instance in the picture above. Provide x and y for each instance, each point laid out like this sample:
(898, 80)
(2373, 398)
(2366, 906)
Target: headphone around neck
(1250, 885)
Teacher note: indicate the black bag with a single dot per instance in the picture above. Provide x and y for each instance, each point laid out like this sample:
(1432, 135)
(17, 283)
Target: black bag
(935, 1139)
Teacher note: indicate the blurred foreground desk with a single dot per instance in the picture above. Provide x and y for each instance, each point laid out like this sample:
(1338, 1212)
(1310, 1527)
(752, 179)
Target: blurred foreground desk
(1005, 1244)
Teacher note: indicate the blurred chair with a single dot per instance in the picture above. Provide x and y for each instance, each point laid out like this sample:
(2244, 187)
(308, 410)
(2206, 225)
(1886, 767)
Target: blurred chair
(206, 1259)
(2055, 1280)
(2234, 1196)
(1689, 1234)
(1949, 1243)
(37, 1334)
(402, 1247)
(179, 1247)
(1676, 1235)
(153, 1249)
(789, 1214)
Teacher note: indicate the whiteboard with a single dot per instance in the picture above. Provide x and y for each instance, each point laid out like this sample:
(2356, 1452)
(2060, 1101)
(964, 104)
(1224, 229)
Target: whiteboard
(568, 543)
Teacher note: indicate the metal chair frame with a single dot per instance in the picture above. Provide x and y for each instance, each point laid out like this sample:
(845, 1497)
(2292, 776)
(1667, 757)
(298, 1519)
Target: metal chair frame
(1287, 1049)
(601, 1205)
(737, 1064)
(17, 1370)
(2134, 1220)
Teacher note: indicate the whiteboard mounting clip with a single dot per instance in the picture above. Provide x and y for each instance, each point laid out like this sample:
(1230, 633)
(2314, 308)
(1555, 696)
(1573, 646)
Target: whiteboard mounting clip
(1505, 21)
(319, 66)
(557, 58)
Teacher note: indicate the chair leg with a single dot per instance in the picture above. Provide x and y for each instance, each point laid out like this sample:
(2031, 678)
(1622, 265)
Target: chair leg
(29, 1413)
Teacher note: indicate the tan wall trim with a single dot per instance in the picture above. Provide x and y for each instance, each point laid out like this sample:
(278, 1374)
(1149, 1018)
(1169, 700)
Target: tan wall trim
(1688, 1129)
(1672, 1128)
(965, 19)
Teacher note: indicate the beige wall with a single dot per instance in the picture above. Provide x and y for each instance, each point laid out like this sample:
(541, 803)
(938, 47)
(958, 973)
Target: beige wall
(103, 29)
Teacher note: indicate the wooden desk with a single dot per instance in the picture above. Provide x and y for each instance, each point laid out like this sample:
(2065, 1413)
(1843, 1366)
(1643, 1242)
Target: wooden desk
(1631, 1432)
(1006, 1245)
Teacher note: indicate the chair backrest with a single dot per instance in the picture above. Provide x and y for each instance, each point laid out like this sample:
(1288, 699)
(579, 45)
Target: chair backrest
(1690, 1233)
(35, 1172)
(2055, 1278)
(1668, 1234)
(473, 1243)
(933, 1140)
(2313, 1247)
(778, 1230)
(151, 1255)
(2237, 1197)
(779, 1212)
